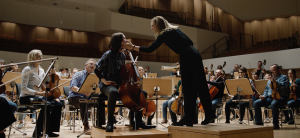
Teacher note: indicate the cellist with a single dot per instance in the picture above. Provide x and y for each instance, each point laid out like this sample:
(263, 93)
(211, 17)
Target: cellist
(294, 84)
(29, 91)
(108, 71)
(220, 85)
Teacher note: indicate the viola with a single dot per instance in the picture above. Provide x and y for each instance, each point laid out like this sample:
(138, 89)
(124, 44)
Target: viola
(275, 93)
(53, 85)
(150, 108)
(293, 91)
(176, 106)
(130, 90)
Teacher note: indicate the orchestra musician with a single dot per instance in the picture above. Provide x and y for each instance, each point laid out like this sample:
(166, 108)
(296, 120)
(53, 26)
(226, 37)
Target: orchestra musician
(230, 103)
(28, 90)
(6, 117)
(220, 85)
(168, 104)
(266, 97)
(75, 70)
(259, 68)
(108, 71)
(191, 67)
(143, 75)
(292, 103)
(74, 97)
(235, 69)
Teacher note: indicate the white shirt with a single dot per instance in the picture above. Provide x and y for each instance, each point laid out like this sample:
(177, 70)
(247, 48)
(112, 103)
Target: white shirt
(28, 82)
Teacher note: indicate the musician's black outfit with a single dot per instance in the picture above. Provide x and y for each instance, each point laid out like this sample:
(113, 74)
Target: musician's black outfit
(6, 117)
(108, 67)
(192, 73)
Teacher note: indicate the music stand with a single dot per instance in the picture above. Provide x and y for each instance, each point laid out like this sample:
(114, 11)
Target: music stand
(235, 74)
(239, 87)
(151, 75)
(89, 85)
(157, 86)
(10, 86)
(260, 85)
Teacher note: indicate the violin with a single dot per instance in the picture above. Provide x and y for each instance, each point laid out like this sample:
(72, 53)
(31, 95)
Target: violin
(150, 108)
(176, 106)
(130, 90)
(293, 90)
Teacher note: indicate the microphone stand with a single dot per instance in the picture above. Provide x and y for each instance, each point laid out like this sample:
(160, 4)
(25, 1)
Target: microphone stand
(46, 79)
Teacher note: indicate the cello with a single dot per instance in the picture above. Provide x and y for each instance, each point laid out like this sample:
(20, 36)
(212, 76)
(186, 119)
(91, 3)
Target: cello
(213, 90)
(130, 90)
(176, 106)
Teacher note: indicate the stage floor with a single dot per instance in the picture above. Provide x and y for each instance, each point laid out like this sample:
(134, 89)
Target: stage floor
(221, 130)
(65, 132)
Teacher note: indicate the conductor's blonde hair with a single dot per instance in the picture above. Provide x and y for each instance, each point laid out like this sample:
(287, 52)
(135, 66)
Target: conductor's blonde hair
(162, 25)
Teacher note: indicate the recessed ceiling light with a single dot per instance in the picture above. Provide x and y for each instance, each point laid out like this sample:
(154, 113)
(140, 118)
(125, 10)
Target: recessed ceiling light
(54, 3)
(77, 8)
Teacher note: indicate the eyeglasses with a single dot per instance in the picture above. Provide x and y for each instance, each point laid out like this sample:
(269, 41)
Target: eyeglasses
(39, 56)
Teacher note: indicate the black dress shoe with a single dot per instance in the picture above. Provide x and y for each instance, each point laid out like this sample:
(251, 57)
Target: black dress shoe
(259, 123)
(227, 122)
(276, 127)
(291, 122)
(143, 126)
(205, 122)
(51, 134)
(182, 123)
(109, 127)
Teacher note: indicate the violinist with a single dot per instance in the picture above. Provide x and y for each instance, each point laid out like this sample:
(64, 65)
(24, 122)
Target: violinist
(259, 69)
(74, 97)
(108, 71)
(219, 83)
(12, 68)
(235, 69)
(28, 90)
(266, 97)
(294, 84)
(230, 103)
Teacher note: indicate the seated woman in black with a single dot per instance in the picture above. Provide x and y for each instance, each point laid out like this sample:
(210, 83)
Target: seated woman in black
(108, 71)
(230, 103)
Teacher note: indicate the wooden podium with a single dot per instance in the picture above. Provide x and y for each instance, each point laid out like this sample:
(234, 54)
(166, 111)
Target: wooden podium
(221, 131)
(126, 132)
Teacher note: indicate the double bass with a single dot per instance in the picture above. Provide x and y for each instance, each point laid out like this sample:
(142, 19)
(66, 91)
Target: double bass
(130, 90)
